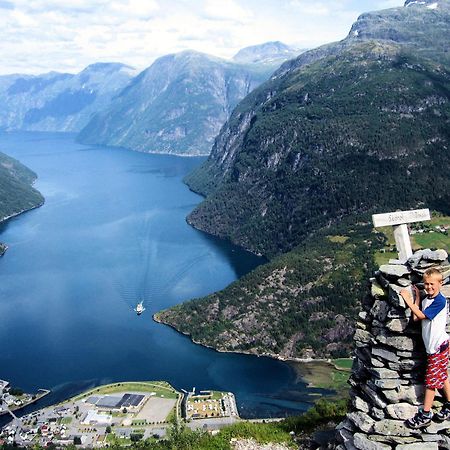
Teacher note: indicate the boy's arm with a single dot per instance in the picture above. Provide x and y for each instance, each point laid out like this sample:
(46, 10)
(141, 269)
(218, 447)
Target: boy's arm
(417, 313)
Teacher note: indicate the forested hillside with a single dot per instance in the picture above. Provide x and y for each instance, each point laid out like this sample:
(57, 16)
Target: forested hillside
(16, 191)
(301, 304)
(347, 134)
(350, 129)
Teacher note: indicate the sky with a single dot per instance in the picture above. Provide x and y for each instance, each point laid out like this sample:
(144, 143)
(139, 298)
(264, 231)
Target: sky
(39, 36)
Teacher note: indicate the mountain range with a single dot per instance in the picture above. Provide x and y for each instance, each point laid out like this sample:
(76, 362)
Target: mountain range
(179, 103)
(343, 131)
(59, 101)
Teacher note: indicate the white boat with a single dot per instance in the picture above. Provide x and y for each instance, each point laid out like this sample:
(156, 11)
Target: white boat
(139, 308)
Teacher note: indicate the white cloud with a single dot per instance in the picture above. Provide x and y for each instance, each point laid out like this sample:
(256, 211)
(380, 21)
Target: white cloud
(225, 10)
(22, 20)
(312, 9)
(44, 35)
(134, 8)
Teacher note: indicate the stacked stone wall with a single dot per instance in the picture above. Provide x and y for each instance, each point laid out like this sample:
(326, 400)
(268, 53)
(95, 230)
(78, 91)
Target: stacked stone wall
(387, 380)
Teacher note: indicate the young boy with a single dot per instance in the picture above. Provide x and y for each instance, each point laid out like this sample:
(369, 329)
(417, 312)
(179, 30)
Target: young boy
(433, 315)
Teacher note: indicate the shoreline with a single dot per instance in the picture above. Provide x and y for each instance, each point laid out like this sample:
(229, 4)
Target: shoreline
(41, 393)
(299, 365)
(241, 352)
(4, 247)
(153, 152)
(11, 216)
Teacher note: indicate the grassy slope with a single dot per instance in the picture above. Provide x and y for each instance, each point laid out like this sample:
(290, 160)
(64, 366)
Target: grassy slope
(431, 240)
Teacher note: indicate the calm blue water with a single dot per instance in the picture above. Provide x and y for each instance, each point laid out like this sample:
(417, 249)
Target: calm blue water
(113, 231)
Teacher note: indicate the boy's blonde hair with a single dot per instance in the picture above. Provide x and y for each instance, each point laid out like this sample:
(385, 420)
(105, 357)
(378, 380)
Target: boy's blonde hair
(432, 272)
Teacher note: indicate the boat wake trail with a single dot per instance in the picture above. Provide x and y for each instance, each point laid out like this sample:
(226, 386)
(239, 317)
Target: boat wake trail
(151, 275)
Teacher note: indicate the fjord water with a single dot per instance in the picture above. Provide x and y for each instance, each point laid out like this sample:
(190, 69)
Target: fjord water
(112, 232)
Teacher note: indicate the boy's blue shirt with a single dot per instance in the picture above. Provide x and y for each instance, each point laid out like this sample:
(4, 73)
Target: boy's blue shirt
(439, 303)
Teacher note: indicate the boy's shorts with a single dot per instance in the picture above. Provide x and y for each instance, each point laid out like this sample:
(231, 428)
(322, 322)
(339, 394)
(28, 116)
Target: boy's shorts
(437, 365)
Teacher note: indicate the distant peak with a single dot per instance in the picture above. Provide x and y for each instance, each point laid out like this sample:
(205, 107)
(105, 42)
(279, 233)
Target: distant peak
(187, 56)
(265, 51)
(193, 53)
(107, 67)
(431, 4)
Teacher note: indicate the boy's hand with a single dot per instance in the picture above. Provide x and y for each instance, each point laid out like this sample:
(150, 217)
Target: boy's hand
(406, 294)
(413, 303)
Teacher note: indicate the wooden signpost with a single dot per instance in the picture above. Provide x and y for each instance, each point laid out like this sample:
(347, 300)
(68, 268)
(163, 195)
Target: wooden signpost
(398, 220)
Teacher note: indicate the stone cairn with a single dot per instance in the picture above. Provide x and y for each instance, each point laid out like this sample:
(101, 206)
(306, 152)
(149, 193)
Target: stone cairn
(387, 380)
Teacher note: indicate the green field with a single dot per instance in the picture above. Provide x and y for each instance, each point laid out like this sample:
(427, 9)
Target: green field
(432, 240)
(65, 420)
(160, 387)
(429, 239)
(217, 395)
(338, 239)
(343, 363)
(331, 374)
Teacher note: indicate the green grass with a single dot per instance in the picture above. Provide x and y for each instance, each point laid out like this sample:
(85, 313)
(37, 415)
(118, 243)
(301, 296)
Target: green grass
(338, 239)
(65, 420)
(343, 363)
(113, 439)
(435, 239)
(159, 387)
(418, 241)
(138, 422)
(181, 438)
(171, 416)
(432, 240)
(326, 375)
(200, 440)
(217, 395)
(383, 258)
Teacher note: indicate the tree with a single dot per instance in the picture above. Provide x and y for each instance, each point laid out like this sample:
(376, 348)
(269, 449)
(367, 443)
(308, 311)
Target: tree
(136, 437)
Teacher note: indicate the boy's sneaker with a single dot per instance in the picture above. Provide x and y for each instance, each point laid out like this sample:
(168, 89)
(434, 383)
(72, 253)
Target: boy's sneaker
(444, 413)
(420, 420)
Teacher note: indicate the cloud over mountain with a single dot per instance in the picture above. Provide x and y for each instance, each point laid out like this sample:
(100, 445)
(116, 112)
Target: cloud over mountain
(42, 35)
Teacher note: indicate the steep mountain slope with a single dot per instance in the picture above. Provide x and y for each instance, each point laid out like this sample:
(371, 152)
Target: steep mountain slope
(345, 130)
(179, 103)
(59, 102)
(315, 142)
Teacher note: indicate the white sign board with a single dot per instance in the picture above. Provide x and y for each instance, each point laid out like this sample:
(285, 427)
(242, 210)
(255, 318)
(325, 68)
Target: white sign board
(401, 217)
